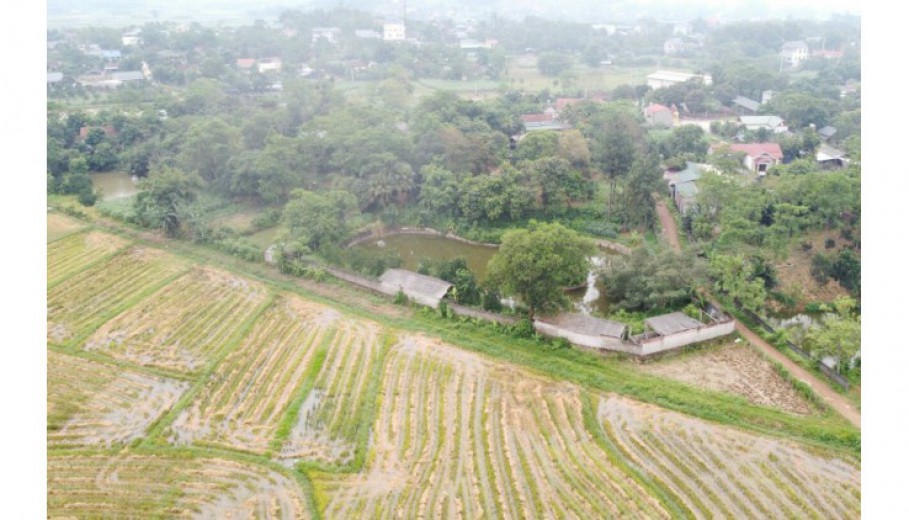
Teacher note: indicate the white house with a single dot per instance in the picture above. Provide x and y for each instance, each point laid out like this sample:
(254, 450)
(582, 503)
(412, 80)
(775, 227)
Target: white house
(792, 53)
(667, 78)
(772, 123)
(329, 34)
(394, 32)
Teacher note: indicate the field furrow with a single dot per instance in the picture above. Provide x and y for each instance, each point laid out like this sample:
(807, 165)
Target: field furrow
(90, 403)
(458, 436)
(232, 409)
(718, 470)
(144, 486)
(86, 300)
(77, 252)
(182, 326)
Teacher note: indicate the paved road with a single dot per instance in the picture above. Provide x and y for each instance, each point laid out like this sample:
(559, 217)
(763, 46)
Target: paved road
(820, 387)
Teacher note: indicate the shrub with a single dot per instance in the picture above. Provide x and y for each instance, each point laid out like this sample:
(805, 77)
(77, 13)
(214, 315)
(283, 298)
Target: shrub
(401, 299)
(829, 243)
(522, 329)
(821, 268)
(87, 197)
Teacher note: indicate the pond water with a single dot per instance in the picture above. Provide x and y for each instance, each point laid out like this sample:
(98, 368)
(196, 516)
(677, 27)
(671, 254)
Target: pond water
(413, 247)
(590, 299)
(115, 185)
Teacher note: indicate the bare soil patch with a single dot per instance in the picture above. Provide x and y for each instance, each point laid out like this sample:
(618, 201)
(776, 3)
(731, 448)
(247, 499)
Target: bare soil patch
(59, 226)
(794, 273)
(735, 368)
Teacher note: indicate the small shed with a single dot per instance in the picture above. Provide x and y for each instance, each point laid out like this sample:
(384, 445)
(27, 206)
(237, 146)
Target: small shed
(672, 323)
(423, 289)
(584, 330)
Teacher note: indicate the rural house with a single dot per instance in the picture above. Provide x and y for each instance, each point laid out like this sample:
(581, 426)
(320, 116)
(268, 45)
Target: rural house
(771, 123)
(667, 78)
(682, 186)
(793, 53)
(745, 105)
(759, 157)
(660, 115)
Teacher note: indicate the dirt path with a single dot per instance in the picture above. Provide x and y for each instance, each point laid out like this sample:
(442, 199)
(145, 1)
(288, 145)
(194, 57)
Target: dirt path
(670, 231)
(832, 398)
(835, 400)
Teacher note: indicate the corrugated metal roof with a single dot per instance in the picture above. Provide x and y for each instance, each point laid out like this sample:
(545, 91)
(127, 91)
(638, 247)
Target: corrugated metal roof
(750, 104)
(671, 323)
(414, 285)
(128, 75)
(583, 324)
(827, 153)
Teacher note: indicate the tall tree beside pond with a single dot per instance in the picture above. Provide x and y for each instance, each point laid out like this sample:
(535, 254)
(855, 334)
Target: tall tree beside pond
(536, 263)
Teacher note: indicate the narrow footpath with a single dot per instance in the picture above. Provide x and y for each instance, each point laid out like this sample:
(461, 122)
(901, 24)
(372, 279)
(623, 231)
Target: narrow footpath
(818, 386)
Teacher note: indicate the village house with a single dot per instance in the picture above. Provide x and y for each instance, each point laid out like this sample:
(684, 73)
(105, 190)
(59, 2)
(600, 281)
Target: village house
(793, 53)
(759, 157)
(830, 158)
(246, 64)
(544, 121)
(659, 115)
(128, 76)
(269, 64)
(771, 123)
(394, 32)
(745, 105)
(674, 46)
(329, 34)
(667, 78)
(683, 188)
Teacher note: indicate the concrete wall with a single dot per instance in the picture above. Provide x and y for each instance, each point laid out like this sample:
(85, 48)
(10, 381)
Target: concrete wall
(687, 337)
(584, 340)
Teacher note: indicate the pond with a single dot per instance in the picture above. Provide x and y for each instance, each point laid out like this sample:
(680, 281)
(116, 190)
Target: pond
(592, 298)
(115, 185)
(413, 247)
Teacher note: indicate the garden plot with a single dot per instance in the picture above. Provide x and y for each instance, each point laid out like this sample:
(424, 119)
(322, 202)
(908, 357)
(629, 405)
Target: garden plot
(458, 436)
(91, 403)
(719, 471)
(253, 388)
(59, 226)
(182, 326)
(84, 301)
(161, 486)
(76, 252)
(734, 368)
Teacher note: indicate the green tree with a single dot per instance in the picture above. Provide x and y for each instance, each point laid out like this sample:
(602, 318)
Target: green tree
(207, 147)
(654, 278)
(313, 220)
(536, 263)
(735, 276)
(164, 198)
(840, 334)
(553, 64)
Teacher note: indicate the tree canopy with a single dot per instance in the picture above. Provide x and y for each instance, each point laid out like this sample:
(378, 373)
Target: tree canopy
(535, 264)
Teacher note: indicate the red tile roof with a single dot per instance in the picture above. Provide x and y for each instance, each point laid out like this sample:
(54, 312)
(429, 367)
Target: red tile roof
(755, 150)
(245, 63)
(654, 108)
